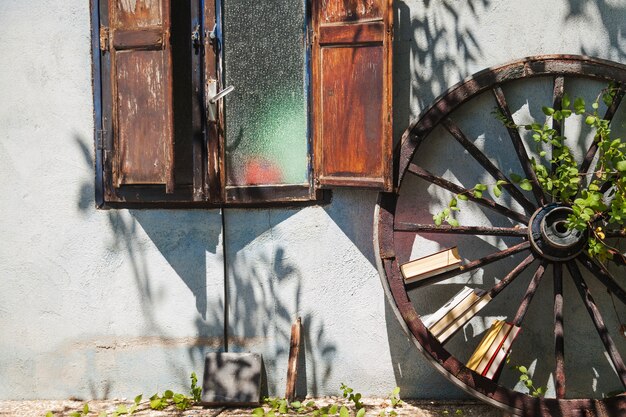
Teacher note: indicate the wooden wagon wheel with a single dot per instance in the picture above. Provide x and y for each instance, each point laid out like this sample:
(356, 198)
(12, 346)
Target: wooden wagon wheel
(562, 262)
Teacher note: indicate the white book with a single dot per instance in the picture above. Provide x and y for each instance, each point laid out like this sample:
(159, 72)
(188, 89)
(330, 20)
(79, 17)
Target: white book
(453, 302)
(464, 318)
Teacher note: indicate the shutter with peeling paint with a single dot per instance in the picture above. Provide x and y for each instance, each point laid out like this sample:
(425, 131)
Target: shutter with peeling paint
(140, 90)
(352, 114)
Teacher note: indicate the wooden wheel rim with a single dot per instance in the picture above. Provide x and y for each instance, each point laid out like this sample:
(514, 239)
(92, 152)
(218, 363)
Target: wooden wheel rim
(393, 284)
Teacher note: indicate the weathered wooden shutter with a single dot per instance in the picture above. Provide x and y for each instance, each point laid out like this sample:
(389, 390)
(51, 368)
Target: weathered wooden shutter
(352, 115)
(141, 92)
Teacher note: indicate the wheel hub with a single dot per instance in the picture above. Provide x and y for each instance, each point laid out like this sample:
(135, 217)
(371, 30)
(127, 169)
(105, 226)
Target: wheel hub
(550, 237)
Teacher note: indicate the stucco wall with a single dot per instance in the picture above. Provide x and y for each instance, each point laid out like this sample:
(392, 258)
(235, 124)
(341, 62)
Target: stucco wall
(99, 304)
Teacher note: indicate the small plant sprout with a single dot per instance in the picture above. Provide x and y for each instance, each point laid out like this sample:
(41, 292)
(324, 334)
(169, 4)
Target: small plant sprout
(524, 377)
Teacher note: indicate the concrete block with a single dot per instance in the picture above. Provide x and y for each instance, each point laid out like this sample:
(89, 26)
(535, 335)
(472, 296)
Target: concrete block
(232, 378)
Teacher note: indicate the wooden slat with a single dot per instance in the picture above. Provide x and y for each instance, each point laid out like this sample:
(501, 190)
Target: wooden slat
(292, 364)
(559, 338)
(495, 172)
(461, 230)
(137, 39)
(530, 293)
(598, 322)
(352, 34)
(457, 189)
(352, 93)
(604, 276)
(518, 144)
(557, 104)
(508, 278)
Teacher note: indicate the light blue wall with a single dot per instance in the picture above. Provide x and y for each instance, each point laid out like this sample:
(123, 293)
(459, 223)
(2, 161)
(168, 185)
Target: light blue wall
(105, 304)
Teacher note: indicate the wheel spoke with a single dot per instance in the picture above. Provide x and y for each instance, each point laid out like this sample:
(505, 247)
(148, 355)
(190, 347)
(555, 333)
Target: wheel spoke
(457, 189)
(482, 159)
(530, 292)
(598, 322)
(610, 112)
(615, 233)
(497, 289)
(557, 104)
(604, 276)
(519, 146)
(478, 263)
(559, 341)
(461, 230)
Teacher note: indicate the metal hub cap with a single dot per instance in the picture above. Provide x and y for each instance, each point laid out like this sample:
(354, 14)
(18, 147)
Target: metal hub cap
(551, 238)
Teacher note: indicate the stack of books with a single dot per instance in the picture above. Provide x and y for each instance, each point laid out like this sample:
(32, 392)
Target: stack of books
(493, 349)
(431, 265)
(456, 312)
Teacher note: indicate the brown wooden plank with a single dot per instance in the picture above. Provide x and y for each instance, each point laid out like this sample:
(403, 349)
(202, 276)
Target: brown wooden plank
(530, 293)
(598, 322)
(518, 144)
(292, 364)
(141, 90)
(559, 338)
(557, 103)
(351, 92)
(462, 230)
(352, 34)
(138, 14)
(482, 159)
(508, 278)
(457, 189)
(137, 39)
(603, 276)
(341, 11)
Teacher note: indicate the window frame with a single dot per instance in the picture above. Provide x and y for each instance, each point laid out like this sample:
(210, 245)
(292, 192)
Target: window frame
(208, 188)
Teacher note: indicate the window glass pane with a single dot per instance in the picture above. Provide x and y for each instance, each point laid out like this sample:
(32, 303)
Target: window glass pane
(266, 115)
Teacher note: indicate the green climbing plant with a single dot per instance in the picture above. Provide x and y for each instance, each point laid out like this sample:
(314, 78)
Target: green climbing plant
(597, 197)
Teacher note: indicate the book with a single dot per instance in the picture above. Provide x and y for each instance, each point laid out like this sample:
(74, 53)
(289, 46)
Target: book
(461, 320)
(485, 345)
(493, 349)
(503, 351)
(456, 311)
(431, 319)
(428, 266)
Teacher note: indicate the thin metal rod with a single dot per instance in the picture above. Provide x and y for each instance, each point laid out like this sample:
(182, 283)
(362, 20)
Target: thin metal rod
(610, 112)
(604, 276)
(557, 104)
(530, 293)
(482, 159)
(457, 189)
(497, 289)
(559, 340)
(598, 322)
(226, 286)
(461, 230)
(518, 144)
(473, 265)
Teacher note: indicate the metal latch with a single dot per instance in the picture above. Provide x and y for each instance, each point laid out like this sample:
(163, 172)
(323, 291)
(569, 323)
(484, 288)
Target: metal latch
(214, 97)
(102, 140)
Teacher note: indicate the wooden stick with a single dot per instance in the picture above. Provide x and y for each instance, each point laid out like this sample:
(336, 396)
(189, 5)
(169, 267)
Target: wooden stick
(461, 230)
(294, 353)
(559, 340)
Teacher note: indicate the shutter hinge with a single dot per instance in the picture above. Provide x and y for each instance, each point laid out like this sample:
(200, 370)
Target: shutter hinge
(104, 38)
(102, 140)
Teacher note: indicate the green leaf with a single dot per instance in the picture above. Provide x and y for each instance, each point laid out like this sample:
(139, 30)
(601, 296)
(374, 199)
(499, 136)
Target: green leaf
(590, 120)
(310, 404)
(102, 414)
(522, 369)
(343, 412)
(595, 105)
(138, 398)
(515, 178)
(360, 413)
(565, 102)
(579, 105)
(497, 191)
(121, 409)
(296, 404)
(462, 197)
(333, 409)
(548, 111)
(168, 394)
(86, 409)
(49, 414)
(75, 414)
(395, 391)
(477, 193)
(621, 166)
(258, 412)
(453, 222)
(282, 408)
(526, 185)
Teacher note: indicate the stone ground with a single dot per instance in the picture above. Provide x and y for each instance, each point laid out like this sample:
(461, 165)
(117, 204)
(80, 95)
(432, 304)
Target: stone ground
(374, 406)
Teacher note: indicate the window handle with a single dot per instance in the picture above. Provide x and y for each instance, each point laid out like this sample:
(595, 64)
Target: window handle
(221, 94)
